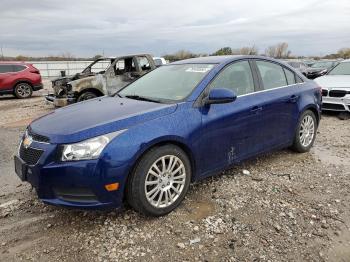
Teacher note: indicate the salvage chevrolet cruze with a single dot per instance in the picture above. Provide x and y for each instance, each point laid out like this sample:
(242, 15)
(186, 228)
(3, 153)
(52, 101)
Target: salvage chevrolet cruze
(177, 124)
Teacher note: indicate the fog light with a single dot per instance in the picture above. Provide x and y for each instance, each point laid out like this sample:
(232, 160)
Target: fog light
(112, 187)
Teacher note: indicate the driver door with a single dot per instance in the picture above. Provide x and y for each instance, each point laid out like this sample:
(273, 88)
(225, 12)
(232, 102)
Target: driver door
(120, 74)
(230, 131)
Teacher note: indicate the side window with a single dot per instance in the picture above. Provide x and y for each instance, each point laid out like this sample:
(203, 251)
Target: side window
(6, 69)
(272, 74)
(119, 67)
(144, 63)
(17, 68)
(129, 65)
(237, 77)
(290, 76)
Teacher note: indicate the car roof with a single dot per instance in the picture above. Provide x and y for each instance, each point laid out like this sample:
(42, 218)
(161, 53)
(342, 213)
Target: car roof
(220, 59)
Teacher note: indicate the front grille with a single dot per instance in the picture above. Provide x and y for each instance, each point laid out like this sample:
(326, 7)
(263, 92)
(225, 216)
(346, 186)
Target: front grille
(82, 195)
(337, 93)
(335, 107)
(324, 92)
(37, 137)
(30, 155)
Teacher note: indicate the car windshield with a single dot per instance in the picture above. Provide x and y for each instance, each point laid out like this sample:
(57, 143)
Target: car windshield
(322, 65)
(341, 69)
(98, 66)
(167, 83)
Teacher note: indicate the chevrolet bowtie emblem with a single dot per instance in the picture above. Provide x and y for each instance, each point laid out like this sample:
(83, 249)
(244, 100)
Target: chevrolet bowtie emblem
(27, 141)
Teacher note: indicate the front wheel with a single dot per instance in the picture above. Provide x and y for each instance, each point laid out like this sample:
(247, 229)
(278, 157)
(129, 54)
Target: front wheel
(306, 132)
(159, 181)
(86, 96)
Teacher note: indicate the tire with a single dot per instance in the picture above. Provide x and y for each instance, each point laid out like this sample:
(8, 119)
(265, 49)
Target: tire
(23, 90)
(305, 134)
(166, 191)
(86, 96)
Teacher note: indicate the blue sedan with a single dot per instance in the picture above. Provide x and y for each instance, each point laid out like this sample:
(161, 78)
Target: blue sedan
(177, 124)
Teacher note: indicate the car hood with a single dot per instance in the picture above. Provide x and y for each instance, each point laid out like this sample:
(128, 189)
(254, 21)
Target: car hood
(330, 81)
(97, 117)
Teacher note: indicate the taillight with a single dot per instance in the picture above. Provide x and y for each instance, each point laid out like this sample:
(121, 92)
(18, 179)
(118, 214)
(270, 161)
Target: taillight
(35, 71)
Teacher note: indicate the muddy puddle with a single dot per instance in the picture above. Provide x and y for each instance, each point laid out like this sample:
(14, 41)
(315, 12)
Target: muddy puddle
(200, 210)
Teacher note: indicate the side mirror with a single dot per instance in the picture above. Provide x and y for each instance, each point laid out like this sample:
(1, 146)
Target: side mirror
(220, 96)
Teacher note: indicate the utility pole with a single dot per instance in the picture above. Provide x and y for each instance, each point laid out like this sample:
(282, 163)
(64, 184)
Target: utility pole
(2, 53)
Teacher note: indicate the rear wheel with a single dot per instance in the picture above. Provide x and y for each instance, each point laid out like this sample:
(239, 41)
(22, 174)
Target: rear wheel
(306, 132)
(23, 90)
(160, 181)
(86, 96)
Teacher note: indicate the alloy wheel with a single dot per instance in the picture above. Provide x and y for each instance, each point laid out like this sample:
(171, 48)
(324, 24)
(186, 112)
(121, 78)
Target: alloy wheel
(23, 90)
(307, 131)
(165, 181)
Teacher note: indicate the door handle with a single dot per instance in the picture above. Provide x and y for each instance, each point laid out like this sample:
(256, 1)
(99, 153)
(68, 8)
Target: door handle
(293, 99)
(256, 109)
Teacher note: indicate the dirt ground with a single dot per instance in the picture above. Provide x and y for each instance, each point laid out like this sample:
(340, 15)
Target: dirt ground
(290, 207)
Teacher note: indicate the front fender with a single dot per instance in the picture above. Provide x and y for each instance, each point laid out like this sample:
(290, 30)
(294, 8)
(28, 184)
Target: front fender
(176, 128)
(97, 82)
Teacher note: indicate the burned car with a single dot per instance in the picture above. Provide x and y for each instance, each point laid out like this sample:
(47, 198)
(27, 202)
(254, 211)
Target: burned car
(104, 76)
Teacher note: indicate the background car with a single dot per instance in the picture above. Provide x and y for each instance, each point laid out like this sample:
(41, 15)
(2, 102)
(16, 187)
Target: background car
(19, 79)
(336, 88)
(179, 123)
(93, 82)
(159, 61)
(300, 66)
(320, 68)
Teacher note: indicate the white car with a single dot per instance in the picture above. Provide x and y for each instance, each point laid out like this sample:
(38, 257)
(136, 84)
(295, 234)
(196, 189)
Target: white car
(336, 88)
(159, 61)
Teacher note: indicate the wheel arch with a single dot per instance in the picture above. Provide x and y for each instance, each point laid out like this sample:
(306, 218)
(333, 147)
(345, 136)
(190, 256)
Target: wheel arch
(92, 90)
(155, 144)
(314, 110)
(19, 81)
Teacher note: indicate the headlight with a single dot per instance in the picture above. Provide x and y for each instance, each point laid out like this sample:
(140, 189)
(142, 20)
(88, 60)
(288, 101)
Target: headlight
(88, 149)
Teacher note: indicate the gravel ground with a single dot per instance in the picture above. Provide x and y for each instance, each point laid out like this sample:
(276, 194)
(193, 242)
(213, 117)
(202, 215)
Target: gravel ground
(281, 206)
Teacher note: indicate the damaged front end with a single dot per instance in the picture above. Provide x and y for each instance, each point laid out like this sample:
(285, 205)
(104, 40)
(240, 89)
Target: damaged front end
(62, 92)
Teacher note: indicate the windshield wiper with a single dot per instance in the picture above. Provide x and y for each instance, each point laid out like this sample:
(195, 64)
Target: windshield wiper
(142, 98)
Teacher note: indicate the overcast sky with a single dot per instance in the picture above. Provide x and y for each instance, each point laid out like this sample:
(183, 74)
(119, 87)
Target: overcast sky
(89, 27)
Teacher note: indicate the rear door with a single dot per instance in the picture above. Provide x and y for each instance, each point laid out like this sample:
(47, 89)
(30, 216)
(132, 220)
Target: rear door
(279, 96)
(6, 75)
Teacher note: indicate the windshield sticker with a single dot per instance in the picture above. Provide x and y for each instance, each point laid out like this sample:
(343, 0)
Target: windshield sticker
(198, 69)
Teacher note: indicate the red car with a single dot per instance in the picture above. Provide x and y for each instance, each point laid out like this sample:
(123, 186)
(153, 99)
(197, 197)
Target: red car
(19, 79)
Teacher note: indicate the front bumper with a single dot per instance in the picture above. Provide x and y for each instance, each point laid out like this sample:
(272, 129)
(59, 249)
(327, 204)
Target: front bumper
(340, 104)
(78, 184)
(59, 101)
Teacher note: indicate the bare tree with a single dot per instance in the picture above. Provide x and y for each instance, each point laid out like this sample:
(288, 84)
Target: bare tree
(246, 50)
(278, 51)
